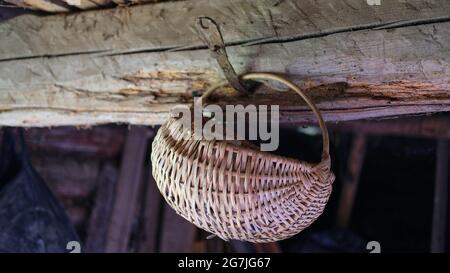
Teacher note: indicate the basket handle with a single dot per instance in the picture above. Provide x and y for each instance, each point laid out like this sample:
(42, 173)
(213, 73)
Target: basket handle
(269, 76)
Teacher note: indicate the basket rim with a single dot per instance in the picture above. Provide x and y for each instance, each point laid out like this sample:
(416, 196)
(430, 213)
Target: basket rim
(246, 149)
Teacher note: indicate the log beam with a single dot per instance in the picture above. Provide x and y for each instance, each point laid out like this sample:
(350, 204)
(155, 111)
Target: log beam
(133, 65)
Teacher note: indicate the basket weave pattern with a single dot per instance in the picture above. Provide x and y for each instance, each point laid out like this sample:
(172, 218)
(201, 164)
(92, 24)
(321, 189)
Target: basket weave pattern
(235, 191)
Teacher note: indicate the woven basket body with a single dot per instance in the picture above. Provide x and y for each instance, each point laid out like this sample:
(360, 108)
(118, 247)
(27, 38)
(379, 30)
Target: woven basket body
(236, 191)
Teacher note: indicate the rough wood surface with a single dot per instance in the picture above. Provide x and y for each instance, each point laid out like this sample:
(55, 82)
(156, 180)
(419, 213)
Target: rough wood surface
(133, 64)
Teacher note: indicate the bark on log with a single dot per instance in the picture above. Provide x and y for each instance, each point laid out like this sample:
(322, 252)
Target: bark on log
(133, 65)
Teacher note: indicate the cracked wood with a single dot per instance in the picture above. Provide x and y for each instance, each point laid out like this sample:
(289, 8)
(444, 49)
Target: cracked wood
(133, 64)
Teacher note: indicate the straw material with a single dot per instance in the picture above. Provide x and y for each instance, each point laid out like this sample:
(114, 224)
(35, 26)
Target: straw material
(235, 191)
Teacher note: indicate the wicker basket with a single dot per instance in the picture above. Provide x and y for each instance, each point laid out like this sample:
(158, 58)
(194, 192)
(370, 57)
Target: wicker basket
(236, 191)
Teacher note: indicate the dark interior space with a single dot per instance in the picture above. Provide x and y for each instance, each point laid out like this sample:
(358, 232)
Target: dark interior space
(393, 201)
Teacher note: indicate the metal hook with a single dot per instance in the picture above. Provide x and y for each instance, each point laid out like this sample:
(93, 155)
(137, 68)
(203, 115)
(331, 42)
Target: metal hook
(209, 33)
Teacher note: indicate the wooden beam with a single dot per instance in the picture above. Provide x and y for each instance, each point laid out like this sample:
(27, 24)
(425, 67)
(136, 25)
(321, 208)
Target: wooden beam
(164, 25)
(128, 185)
(440, 215)
(133, 65)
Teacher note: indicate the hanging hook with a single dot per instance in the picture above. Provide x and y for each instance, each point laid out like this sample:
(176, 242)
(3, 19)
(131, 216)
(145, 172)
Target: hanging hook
(209, 33)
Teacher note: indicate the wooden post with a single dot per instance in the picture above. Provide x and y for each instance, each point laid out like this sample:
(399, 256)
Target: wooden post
(127, 189)
(440, 217)
(101, 212)
(152, 215)
(351, 181)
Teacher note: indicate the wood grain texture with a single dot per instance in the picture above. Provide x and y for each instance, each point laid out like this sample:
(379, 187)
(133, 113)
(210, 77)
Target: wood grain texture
(133, 65)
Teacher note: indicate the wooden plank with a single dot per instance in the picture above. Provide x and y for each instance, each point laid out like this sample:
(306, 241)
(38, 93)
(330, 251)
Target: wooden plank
(351, 181)
(177, 233)
(100, 141)
(97, 228)
(151, 213)
(68, 177)
(153, 204)
(358, 61)
(127, 190)
(440, 215)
